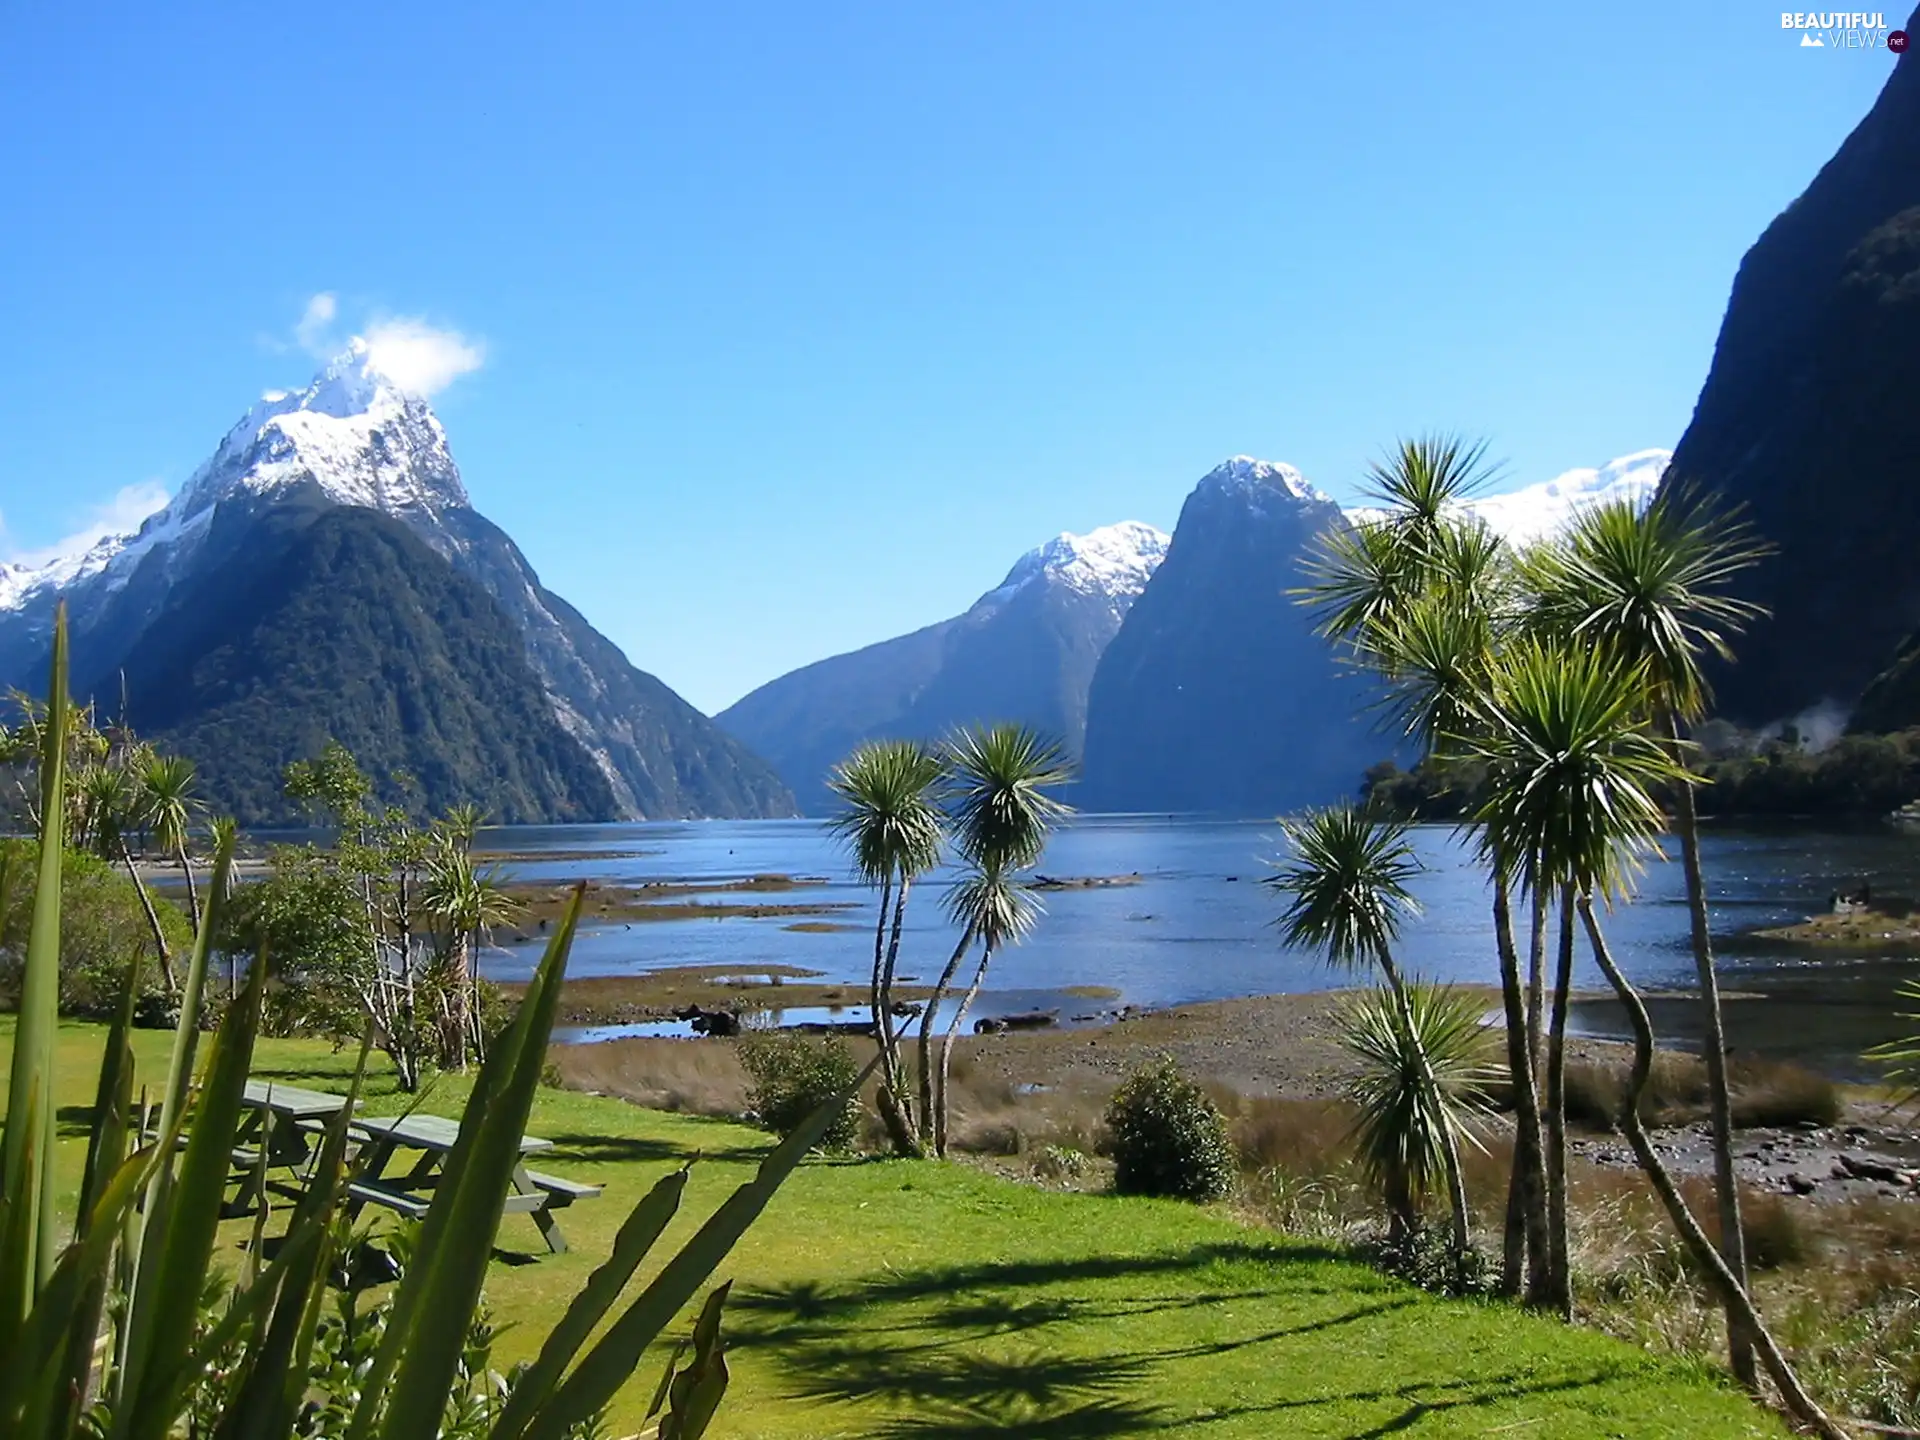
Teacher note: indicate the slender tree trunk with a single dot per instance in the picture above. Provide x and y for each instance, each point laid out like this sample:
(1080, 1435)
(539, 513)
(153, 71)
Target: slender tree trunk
(880, 954)
(1537, 981)
(940, 1112)
(1450, 1146)
(153, 921)
(1559, 1260)
(883, 1017)
(890, 1098)
(193, 890)
(940, 990)
(1526, 1240)
(1799, 1403)
(459, 977)
(1713, 1046)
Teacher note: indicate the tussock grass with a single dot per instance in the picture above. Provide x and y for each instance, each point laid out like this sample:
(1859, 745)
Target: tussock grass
(1763, 1093)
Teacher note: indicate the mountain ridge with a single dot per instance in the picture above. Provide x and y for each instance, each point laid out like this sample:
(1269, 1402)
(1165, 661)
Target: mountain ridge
(352, 438)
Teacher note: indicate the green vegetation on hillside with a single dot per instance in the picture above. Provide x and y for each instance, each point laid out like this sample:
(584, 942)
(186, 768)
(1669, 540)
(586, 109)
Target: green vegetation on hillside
(346, 627)
(1855, 777)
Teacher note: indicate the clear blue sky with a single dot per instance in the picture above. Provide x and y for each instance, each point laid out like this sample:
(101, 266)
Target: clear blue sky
(801, 322)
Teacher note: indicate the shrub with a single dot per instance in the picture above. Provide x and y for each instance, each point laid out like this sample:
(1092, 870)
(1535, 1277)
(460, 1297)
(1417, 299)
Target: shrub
(1168, 1137)
(102, 926)
(794, 1075)
(1424, 1256)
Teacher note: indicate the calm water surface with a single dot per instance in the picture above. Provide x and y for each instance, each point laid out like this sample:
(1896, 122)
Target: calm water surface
(1199, 925)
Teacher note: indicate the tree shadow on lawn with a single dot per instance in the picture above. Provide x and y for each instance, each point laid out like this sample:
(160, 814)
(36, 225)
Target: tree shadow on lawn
(877, 1341)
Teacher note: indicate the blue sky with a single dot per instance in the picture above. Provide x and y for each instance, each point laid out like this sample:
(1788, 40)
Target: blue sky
(789, 327)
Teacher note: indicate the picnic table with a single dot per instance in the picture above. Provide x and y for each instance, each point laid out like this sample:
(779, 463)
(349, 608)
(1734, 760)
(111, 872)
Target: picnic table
(280, 1126)
(411, 1192)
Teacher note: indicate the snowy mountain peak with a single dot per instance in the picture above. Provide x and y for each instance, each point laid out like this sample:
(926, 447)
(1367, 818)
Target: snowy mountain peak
(1243, 474)
(351, 431)
(1115, 561)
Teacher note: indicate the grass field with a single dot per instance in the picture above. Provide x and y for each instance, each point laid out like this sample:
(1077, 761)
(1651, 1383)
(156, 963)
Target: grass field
(920, 1299)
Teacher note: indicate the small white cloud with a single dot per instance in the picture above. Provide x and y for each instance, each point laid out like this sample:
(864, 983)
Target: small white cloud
(421, 357)
(121, 515)
(315, 322)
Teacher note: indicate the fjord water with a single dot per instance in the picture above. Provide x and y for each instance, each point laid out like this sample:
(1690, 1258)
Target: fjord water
(1198, 925)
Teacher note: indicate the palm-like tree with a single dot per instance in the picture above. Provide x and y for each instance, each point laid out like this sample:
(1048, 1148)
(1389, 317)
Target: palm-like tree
(105, 810)
(1346, 884)
(1570, 803)
(1652, 584)
(891, 822)
(998, 781)
(1423, 595)
(1405, 1123)
(166, 805)
(465, 903)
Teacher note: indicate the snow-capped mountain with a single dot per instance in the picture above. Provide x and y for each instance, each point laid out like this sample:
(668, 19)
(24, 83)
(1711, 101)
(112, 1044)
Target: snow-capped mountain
(1114, 562)
(1534, 512)
(1261, 483)
(352, 432)
(353, 439)
(1216, 695)
(1024, 651)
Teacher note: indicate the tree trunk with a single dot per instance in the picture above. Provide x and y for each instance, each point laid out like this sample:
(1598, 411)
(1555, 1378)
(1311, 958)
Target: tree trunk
(1537, 981)
(898, 1124)
(153, 921)
(940, 989)
(880, 952)
(946, 1051)
(1450, 1147)
(883, 1017)
(193, 890)
(1559, 1262)
(1799, 1403)
(1526, 1239)
(1713, 1048)
(459, 978)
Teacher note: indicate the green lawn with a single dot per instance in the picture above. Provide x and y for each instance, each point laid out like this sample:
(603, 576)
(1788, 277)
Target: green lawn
(898, 1299)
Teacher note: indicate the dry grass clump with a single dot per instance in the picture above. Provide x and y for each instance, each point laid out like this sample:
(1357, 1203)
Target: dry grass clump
(693, 1077)
(1771, 1092)
(1763, 1092)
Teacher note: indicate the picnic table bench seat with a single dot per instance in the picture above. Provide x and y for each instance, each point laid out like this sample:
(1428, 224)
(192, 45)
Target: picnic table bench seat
(562, 1192)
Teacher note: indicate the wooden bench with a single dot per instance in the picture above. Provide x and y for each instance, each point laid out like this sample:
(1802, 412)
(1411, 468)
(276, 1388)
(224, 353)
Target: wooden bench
(561, 1192)
(367, 1192)
(415, 1203)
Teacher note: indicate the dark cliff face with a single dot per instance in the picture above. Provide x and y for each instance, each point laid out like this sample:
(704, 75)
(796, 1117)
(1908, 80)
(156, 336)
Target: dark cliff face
(1216, 695)
(663, 758)
(310, 622)
(1810, 418)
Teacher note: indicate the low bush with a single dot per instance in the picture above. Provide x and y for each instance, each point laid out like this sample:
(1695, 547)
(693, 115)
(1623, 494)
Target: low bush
(794, 1075)
(1424, 1256)
(1167, 1137)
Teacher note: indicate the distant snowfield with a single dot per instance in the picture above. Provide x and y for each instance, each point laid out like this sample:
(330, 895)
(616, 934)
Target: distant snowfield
(1534, 512)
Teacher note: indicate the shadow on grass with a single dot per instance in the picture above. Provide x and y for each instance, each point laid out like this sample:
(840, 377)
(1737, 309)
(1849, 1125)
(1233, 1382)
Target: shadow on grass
(981, 1349)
